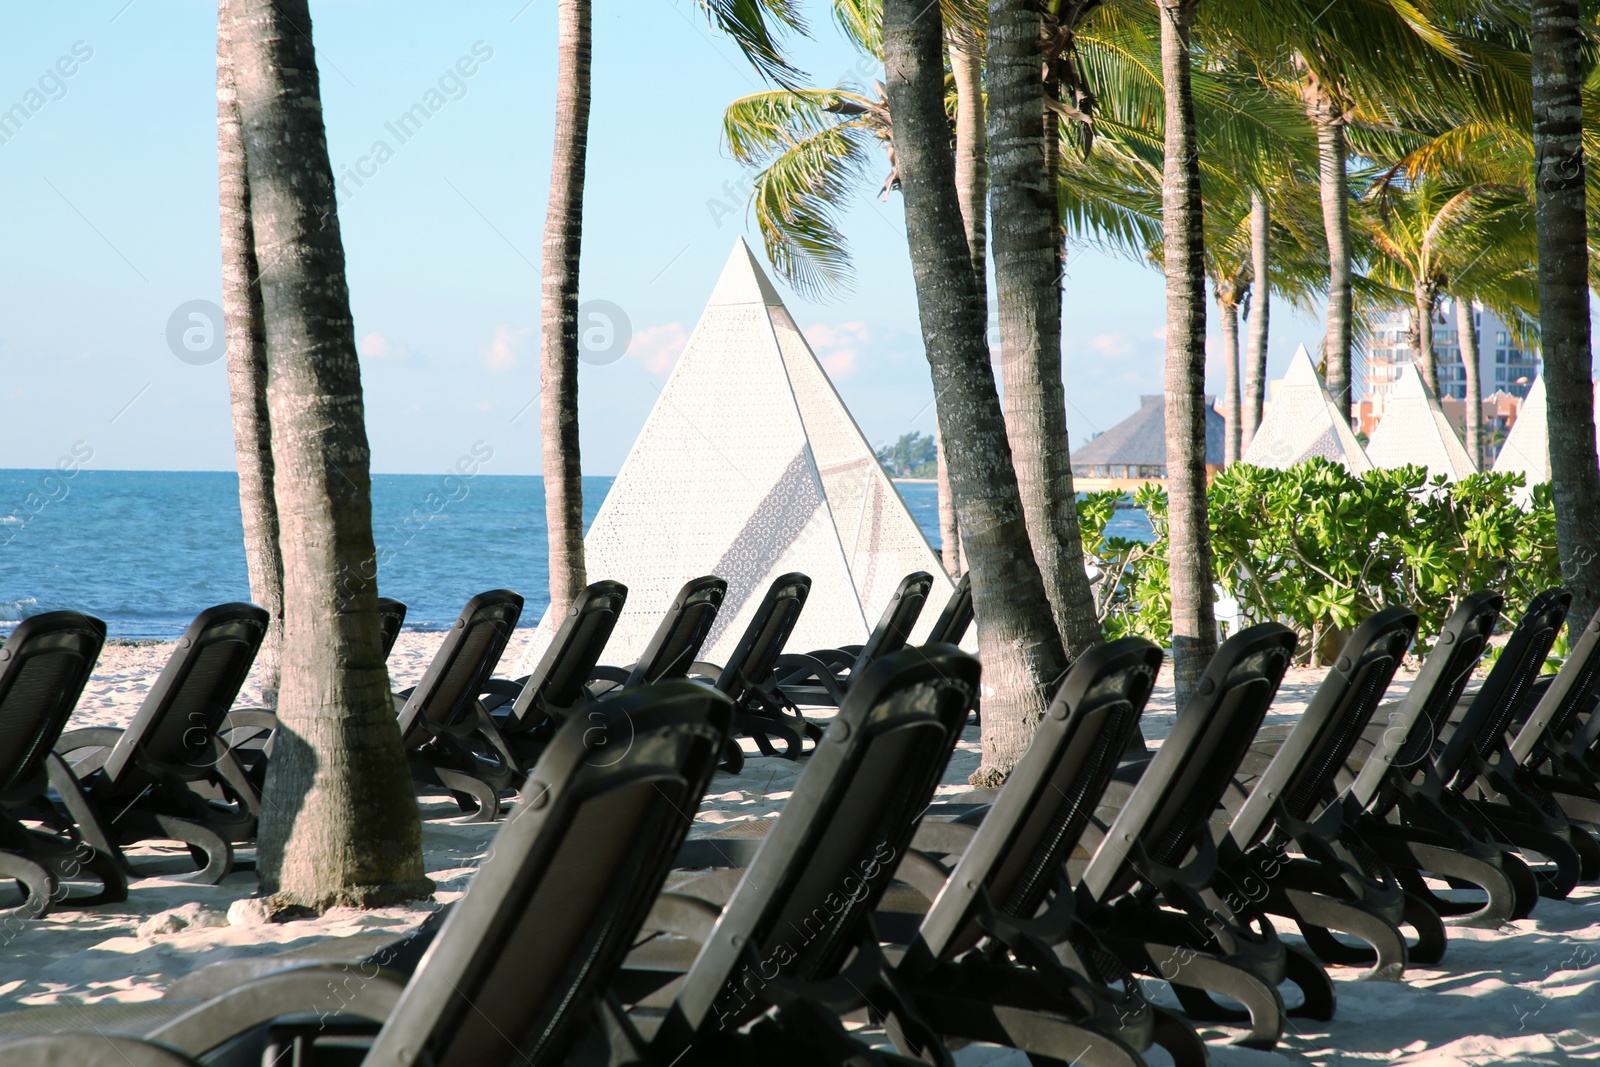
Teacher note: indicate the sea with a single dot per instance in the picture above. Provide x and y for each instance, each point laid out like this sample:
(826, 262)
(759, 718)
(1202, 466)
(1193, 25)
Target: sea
(147, 550)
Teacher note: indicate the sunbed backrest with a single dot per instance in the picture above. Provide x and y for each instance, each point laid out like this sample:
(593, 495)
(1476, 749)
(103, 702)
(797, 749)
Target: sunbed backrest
(803, 905)
(1410, 730)
(1184, 783)
(1017, 855)
(464, 662)
(557, 683)
(515, 971)
(44, 666)
(677, 640)
(175, 725)
(1301, 775)
(1573, 689)
(758, 650)
(951, 625)
(1482, 728)
(894, 627)
(391, 617)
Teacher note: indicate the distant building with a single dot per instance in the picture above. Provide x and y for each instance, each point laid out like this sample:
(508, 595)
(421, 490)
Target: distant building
(1414, 431)
(1134, 451)
(1502, 366)
(1500, 412)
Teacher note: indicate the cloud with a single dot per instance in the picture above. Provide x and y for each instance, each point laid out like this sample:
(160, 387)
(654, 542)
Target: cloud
(1111, 344)
(504, 348)
(657, 348)
(1159, 333)
(378, 348)
(838, 346)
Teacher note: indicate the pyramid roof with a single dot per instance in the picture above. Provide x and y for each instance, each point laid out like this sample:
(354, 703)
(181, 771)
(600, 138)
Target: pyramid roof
(1414, 430)
(1302, 422)
(749, 467)
(1527, 447)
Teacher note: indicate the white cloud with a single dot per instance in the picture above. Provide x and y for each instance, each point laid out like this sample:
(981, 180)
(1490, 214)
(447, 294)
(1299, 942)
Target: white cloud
(504, 349)
(379, 348)
(838, 346)
(1111, 344)
(1159, 333)
(657, 348)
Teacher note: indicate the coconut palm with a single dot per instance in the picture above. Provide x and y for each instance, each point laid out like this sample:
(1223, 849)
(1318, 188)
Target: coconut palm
(247, 369)
(339, 822)
(1020, 650)
(1559, 38)
(1363, 62)
(754, 26)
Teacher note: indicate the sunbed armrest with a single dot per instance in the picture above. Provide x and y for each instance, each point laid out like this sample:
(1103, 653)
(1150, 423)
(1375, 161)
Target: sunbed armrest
(87, 741)
(942, 838)
(684, 915)
(59, 1050)
(254, 718)
(717, 852)
(921, 873)
(319, 988)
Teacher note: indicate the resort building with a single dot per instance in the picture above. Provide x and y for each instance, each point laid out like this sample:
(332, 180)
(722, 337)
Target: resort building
(1300, 422)
(1503, 366)
(1134, 451)
(1414, 431)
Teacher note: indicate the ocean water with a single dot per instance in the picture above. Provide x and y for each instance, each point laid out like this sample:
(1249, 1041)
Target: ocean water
(147, 550)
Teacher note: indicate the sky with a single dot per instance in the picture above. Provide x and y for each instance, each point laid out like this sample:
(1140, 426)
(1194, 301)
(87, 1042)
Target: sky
(109, 235)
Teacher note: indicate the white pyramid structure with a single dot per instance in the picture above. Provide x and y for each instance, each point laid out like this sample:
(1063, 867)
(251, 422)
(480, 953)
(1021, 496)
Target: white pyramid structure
(749, 467)
(1527, 447)
(1302, 422)
(1414, 430)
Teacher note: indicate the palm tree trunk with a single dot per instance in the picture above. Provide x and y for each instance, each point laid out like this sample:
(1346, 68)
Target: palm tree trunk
(1423, 296)
(949, 529)
(339, 821)
(1467, 338)
(247, 370)
(1255, 379)
(972, 190)
(558, 371)
(1027, 270)
(1017, 637)
(1329, 120)
(1559, 41)
(1194, 627)
(1227, 292)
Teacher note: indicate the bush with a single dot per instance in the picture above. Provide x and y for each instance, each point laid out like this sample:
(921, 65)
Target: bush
(1320, 549)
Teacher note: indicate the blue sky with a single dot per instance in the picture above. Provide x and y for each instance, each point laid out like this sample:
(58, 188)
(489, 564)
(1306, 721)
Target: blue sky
(110, 224)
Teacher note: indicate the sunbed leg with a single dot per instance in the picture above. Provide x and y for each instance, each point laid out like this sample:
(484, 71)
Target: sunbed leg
(1317, 988)
(1316, 915)
(38, 883)
(1431, 939)
(1195, 977)
(1186, 1047)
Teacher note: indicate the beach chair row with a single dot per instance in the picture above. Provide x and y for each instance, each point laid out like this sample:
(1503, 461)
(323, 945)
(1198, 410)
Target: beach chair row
(1021, 921)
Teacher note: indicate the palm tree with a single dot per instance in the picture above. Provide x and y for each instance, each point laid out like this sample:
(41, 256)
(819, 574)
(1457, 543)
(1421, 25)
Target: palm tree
(1559, 43)
(745, 21)
(1017, 639)
(339, 821)
(247, 369)
(558, 362)
(1255, 379)
(1362, 62)
(1467, 341)
(1027, 242)
(1194, 626)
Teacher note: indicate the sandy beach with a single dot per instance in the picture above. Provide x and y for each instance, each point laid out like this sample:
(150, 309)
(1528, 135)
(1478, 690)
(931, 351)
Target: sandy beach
(1525, 994)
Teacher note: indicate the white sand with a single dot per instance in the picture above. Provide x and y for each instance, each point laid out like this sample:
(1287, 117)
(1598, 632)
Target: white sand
(1526, 994)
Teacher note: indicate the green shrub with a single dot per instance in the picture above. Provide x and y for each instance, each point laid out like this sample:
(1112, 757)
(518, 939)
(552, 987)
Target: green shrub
(1320, 549)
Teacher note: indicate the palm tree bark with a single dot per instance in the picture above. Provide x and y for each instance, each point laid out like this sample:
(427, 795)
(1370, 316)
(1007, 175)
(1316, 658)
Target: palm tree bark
(1016, 631)
(339, 821)
(1027, 243)
(967, 56)
(949, 529)
(247, 370)
(1559, 212)
(558, 372)
(1255, 379)
(1194, 627)
(1334, 181)
(1467, 340)
(1228, 291)
(1423, 297)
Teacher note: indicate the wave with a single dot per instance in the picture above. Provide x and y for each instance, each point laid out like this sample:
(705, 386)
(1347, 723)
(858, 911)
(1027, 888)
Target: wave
(14, 611)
